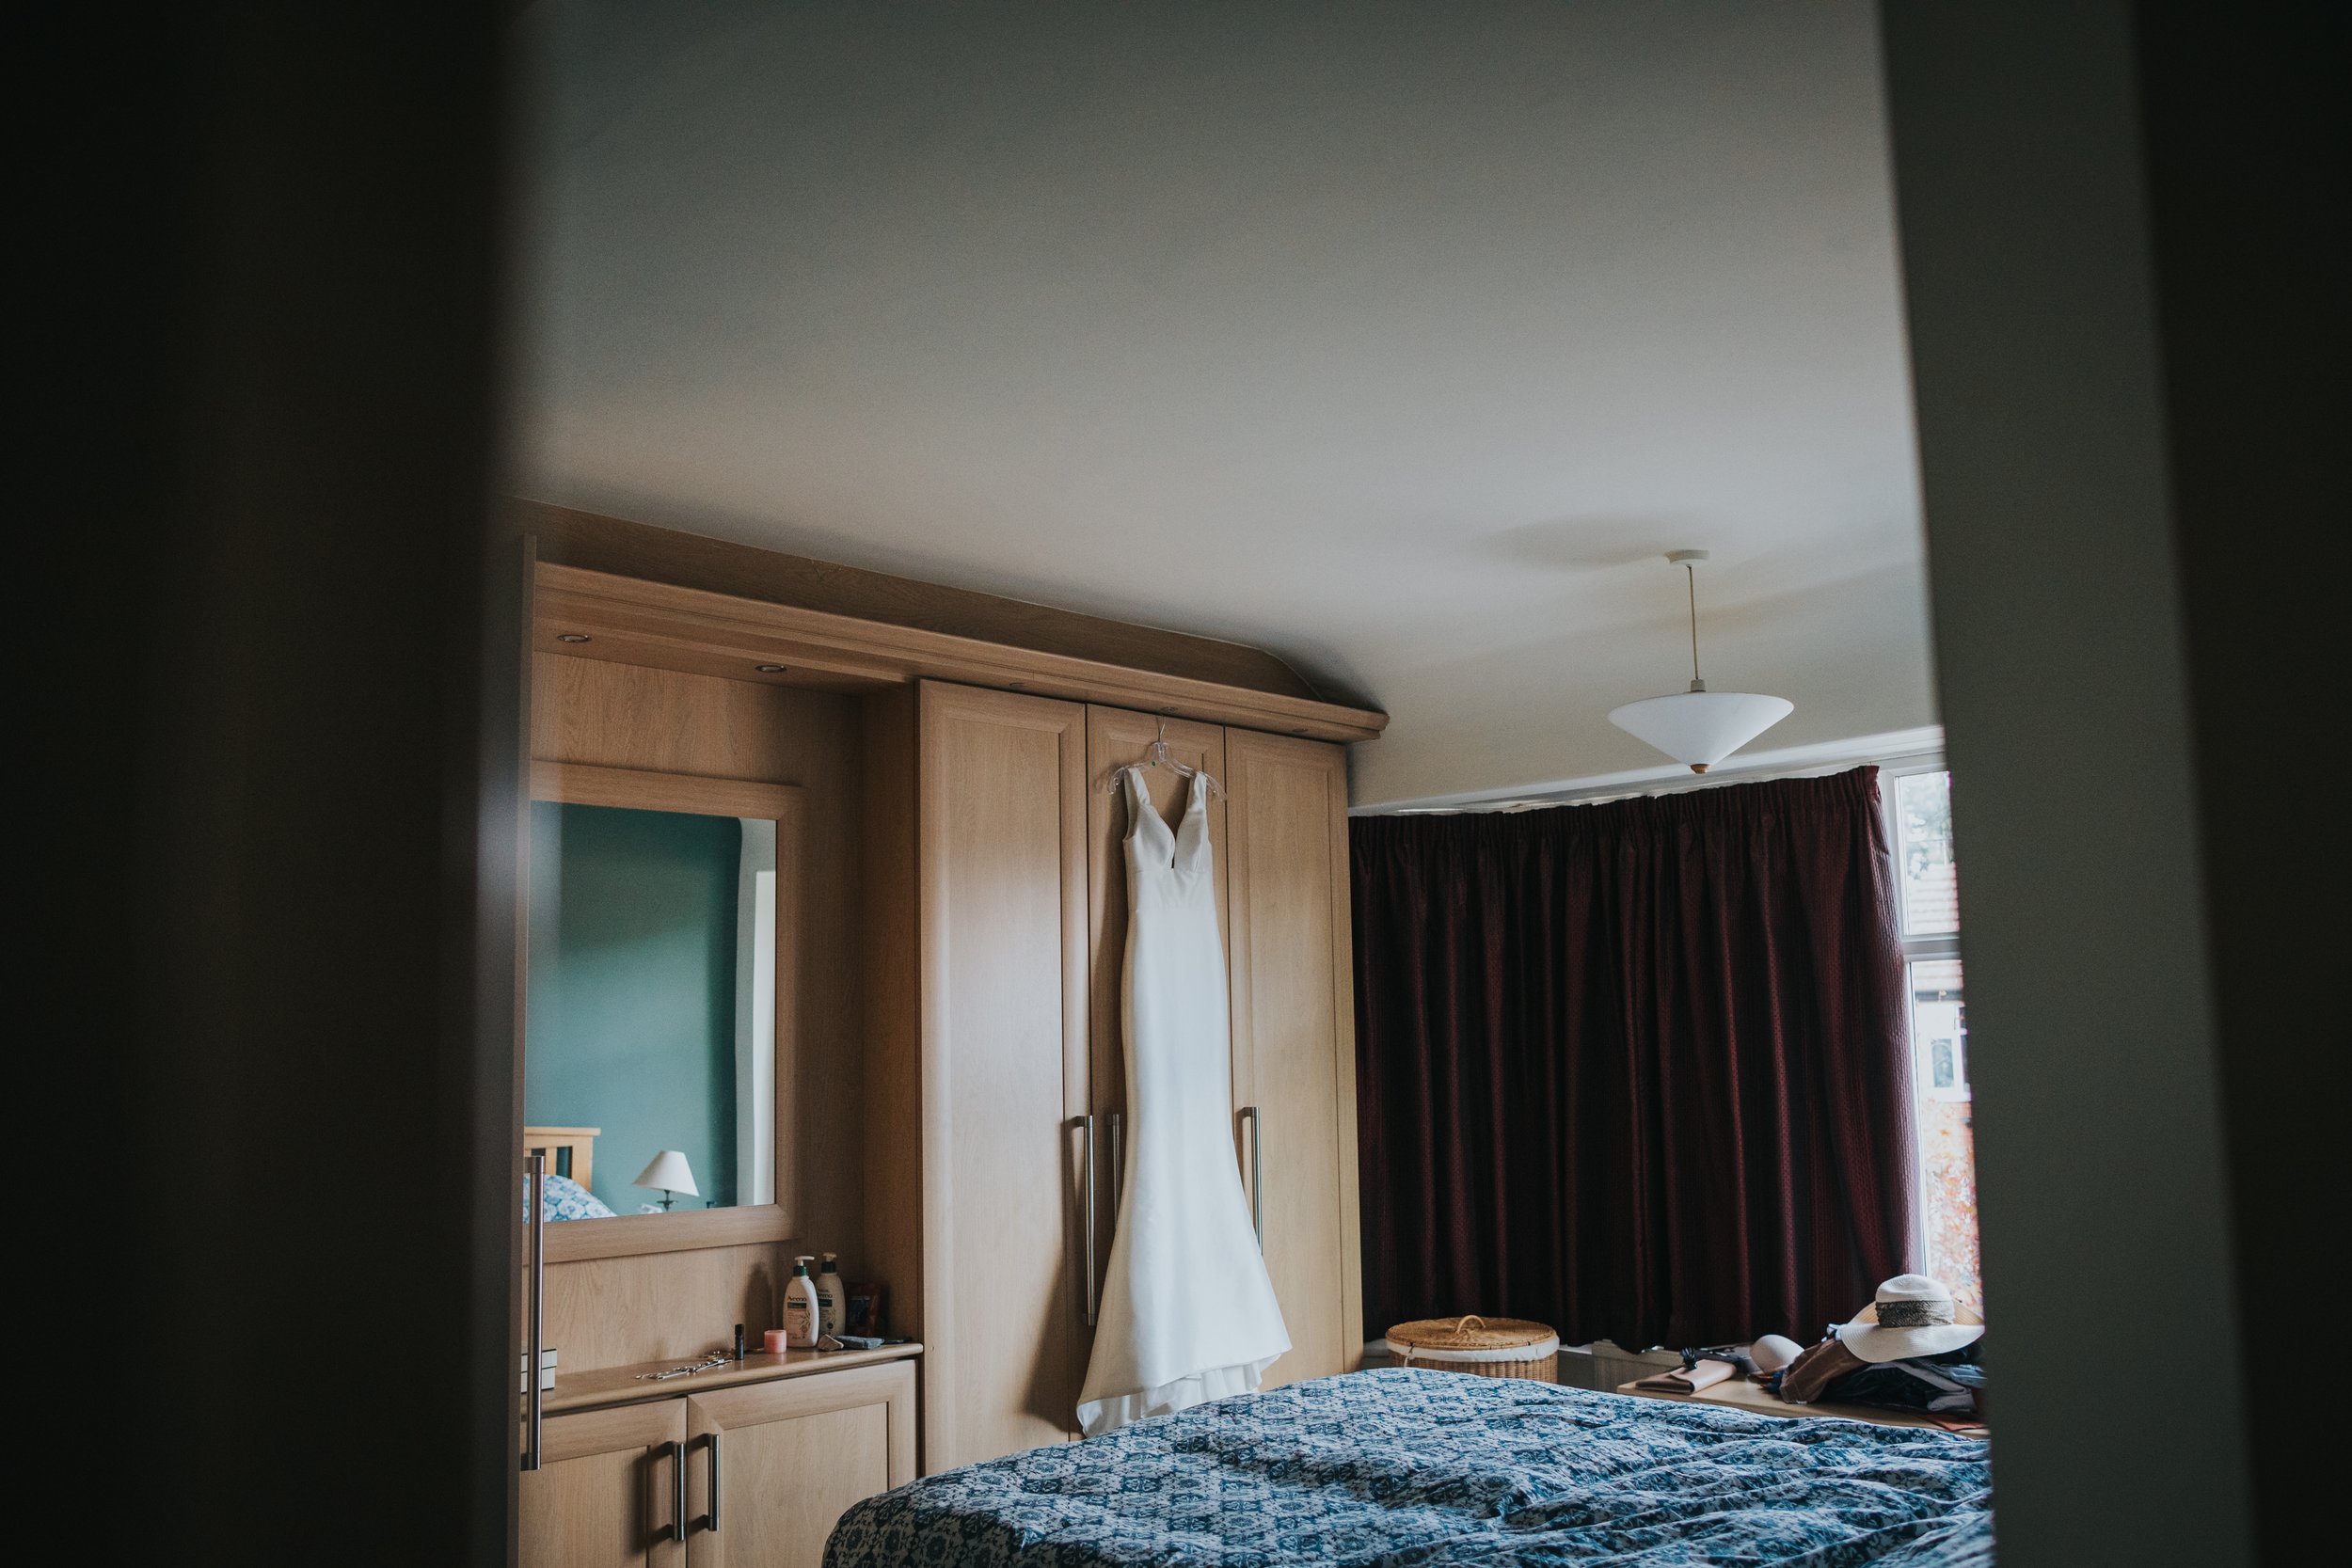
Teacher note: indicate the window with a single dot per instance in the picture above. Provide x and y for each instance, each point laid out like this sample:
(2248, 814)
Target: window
(1927, 892)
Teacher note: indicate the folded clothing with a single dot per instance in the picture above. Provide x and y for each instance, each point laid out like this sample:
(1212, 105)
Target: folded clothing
(1904, 1385)
(1948, 1383)
(1703, 1374)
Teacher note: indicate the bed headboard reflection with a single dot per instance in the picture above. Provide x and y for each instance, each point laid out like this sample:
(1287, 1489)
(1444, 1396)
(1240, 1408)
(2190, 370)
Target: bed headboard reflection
(570, 1150)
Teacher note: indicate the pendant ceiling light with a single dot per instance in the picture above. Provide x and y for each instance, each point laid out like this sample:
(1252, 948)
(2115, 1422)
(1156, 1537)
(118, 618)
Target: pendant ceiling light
(1699, 727)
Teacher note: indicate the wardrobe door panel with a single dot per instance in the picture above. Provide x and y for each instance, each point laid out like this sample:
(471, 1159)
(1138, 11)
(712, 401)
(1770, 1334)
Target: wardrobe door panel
(1002, 810)
(605, 1494)
(1293, 1036)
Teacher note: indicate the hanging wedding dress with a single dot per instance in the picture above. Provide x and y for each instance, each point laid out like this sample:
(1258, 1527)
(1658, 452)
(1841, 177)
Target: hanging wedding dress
(1188, 1311)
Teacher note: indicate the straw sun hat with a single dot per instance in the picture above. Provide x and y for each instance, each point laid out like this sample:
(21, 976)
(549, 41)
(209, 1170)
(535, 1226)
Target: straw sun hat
(1913, 1315)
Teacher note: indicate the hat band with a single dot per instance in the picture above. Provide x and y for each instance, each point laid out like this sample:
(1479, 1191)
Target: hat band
(1913, 1314)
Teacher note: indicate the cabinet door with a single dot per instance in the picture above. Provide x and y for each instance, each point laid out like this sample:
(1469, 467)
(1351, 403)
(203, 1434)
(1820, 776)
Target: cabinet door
(606, 1491)
(1002, 841)
(770, 1468)
(1116, 737)
(1294, 1036)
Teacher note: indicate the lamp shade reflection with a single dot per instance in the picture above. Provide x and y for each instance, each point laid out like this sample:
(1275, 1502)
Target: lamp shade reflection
(669, 1175)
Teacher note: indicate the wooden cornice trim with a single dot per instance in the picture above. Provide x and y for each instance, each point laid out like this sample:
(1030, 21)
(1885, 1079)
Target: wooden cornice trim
(634, 621)
(623, 548)
(639, 789)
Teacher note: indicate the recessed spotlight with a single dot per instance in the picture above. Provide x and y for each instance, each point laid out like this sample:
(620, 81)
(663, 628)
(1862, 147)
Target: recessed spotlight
(772, 669)
(570, 637)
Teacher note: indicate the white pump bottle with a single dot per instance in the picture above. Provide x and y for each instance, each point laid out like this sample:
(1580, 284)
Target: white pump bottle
(800, 1308)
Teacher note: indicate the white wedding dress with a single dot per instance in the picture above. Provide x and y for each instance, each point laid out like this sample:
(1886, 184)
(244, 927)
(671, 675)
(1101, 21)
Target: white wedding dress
(1188, 1311)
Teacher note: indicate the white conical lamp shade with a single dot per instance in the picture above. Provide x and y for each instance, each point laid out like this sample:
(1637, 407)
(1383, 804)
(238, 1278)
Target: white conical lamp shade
(1701, 728)
(669, 1172)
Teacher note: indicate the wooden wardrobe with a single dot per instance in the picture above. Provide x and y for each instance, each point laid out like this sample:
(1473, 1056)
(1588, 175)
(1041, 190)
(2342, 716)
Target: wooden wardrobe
(958, 962)
(1016, 1057)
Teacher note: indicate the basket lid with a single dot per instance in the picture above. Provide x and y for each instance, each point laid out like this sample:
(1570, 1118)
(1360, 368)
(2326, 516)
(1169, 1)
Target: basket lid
(1472, 1332)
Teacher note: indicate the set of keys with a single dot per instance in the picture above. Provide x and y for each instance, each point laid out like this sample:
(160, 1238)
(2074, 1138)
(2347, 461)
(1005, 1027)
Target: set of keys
(716, 1359)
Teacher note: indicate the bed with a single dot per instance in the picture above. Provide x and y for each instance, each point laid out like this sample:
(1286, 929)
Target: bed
(571, 1151)
(1418, 1468)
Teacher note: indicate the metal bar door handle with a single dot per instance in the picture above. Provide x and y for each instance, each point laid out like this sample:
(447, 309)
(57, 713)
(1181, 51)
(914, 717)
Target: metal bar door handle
(1119, 1163)
(1257, 1172)
(1086, 1127)
(535, 1195)
(678, 1491)
(711, 1519)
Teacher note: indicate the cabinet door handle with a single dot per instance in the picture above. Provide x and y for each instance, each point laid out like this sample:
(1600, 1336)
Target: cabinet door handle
(1086, 1129)
(535, 1193)
(1257, 1172)
(712, 1519)
(678, 1490)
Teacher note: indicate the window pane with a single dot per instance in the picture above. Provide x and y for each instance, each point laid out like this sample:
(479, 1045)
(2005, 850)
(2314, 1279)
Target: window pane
(1947, 1152)
(1923, 853)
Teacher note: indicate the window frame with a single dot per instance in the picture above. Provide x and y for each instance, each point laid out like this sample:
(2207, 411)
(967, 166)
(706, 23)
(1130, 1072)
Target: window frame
(1938, 946)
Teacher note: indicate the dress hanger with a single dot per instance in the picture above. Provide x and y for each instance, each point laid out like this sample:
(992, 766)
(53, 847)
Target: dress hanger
(1155, 756)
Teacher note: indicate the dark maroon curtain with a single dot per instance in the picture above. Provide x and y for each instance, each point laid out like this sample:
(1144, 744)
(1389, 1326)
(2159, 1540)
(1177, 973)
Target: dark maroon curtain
(1637, 1070)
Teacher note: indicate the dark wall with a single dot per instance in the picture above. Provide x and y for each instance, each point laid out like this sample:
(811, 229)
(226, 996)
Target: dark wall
(2126, 333)
(2246, 133)
(277, 725)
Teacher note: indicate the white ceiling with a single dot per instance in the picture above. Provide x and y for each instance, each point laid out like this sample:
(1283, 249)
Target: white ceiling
(1401, 340)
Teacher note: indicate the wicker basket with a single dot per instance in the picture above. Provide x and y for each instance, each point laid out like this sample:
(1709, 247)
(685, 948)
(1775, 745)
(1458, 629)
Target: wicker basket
(1499, 1347)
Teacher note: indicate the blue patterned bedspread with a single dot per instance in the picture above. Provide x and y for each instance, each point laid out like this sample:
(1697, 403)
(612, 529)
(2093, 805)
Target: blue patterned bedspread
(1417, 1467)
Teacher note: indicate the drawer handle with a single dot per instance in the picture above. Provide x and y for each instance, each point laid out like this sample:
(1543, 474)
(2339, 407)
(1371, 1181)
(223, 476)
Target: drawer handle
(712, 1518)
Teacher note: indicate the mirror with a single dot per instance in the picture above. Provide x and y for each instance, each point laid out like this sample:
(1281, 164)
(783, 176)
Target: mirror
(657, 984)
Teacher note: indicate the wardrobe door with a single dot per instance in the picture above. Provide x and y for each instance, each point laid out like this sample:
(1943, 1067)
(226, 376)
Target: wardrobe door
(1116, 737)
(1294, 1036)
(771, 1468)
(1002, 843)
(606, 1492)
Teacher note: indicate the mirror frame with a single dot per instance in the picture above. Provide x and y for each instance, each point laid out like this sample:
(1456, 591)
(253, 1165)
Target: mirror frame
(630, 1235)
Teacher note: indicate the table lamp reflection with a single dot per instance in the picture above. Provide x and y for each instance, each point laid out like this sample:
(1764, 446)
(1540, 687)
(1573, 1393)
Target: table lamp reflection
(669, 1175)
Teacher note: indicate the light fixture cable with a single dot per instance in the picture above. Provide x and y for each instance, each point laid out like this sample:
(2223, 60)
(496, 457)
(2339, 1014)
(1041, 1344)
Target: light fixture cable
(1691, 573)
